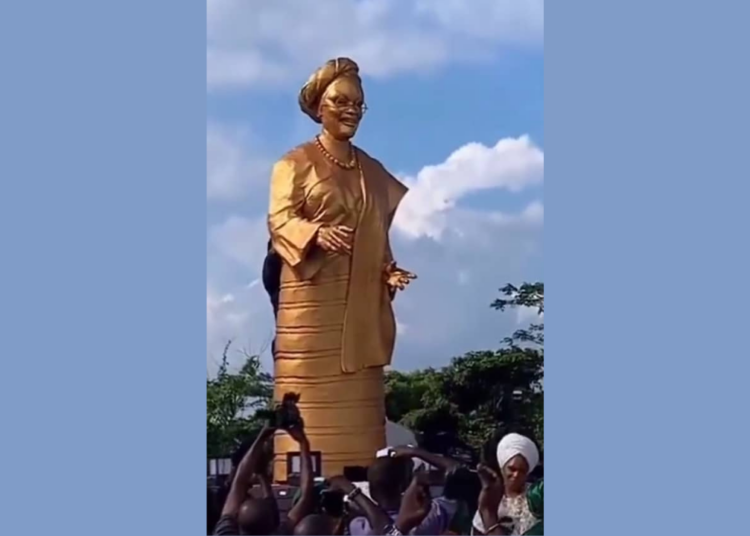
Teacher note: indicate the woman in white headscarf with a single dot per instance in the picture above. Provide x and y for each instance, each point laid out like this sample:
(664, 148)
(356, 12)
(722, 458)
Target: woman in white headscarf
(508, 504)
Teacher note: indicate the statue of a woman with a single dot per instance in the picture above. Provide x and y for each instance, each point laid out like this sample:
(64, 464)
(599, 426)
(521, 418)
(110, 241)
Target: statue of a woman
(330, 212)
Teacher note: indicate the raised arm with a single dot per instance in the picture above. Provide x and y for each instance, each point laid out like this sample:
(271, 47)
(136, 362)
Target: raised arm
(244, 474)
(307, 485)
(489, 499)
(441, 462)
(415, 506)
(265, 486)
(377, 517)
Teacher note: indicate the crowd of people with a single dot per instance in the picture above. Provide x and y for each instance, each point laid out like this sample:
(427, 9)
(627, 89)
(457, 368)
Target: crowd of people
(498, 496)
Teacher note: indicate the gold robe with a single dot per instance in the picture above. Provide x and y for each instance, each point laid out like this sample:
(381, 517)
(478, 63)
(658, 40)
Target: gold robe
(335, 329)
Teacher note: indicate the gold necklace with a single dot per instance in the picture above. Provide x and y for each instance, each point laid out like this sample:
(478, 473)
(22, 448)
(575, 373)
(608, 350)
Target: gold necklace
(346, 165)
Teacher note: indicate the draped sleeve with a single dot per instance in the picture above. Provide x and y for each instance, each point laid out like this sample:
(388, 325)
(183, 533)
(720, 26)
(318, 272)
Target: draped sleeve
(396, 191)
(292, 235)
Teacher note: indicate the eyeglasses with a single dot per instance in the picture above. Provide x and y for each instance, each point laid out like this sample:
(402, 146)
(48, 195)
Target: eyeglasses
(342, 103)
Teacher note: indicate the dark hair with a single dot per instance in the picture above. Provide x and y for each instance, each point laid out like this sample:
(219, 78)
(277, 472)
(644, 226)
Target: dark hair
(463, 485)
(387, 476)
(258, 516)
(272, 276)
(315, 524)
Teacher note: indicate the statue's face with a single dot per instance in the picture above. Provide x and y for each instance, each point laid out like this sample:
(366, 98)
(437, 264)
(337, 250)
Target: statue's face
(341, 108)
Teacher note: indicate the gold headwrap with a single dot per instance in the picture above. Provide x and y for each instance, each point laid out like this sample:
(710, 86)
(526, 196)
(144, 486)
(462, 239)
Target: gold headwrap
(313, 90)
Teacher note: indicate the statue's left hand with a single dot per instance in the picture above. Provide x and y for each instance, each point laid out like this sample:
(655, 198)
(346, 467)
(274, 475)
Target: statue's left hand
(397, 278)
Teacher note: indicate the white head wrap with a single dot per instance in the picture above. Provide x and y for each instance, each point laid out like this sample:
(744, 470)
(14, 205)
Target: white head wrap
(512, 445)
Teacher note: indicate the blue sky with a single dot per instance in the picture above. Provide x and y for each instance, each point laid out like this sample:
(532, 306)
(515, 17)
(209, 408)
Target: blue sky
(441, 79)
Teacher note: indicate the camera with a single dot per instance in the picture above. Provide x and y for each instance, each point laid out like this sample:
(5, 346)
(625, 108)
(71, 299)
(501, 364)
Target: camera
(286, 415)
(332, 502)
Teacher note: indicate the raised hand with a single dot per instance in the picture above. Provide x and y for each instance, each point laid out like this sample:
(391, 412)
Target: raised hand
(405, 451)
(415, 504)
(341, 483)
(491, 494)
(298, 433)
(335, 238)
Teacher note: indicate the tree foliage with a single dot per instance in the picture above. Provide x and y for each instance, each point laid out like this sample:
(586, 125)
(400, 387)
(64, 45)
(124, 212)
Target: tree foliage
(406, 390)
(529, 295)
(231, 400)
(462, 405)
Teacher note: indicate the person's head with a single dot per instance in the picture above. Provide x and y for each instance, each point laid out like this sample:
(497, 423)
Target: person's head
(315, 524)
(388, 478)
(462, 485)
(517, 456)
(333, 97)
(257, 516)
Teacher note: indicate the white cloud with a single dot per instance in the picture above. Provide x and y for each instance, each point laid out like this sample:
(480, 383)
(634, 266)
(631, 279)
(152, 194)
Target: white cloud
(234, 169)
(446, 243)
(237, 305)
(510, 21)
(270, 41)
(447, 314)
(532, 214)
(511, 164)
(220, 314)
(401, 328)
(244, 319)
(242, 241)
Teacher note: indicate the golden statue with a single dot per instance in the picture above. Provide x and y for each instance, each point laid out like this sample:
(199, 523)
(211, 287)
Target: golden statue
(331, 208)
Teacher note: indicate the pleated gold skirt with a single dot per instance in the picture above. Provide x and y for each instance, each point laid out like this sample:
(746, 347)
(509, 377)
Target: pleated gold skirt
(344, 420)
(344, 413)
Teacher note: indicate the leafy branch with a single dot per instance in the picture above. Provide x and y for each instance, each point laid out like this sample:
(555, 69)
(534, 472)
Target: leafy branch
(232, 398)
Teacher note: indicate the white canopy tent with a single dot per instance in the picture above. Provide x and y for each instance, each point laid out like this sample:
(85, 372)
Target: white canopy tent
(397, 435)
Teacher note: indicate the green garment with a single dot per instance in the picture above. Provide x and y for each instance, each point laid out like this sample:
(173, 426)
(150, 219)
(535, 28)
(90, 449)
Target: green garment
(535, 499)
(461, 521)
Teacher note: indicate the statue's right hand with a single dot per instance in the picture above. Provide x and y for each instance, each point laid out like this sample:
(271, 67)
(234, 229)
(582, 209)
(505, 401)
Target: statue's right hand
(335, 238)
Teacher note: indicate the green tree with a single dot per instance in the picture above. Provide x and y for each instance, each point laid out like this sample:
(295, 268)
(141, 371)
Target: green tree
(406, 390)
(463, 404)
(530, 295)
(231, 401)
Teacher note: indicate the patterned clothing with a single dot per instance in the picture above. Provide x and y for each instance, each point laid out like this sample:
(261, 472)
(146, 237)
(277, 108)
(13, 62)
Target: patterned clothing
(518, 515)
(436, 522)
